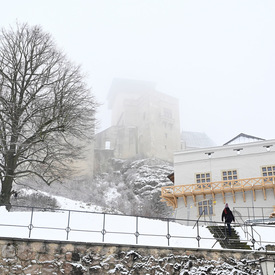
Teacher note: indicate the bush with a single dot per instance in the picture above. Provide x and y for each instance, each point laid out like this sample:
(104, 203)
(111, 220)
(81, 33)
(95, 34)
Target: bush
(33, 199)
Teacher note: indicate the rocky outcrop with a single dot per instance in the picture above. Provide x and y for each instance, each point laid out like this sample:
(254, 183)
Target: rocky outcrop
(19, 256)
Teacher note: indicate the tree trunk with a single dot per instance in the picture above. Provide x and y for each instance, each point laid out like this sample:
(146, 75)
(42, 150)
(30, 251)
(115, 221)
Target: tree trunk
(6, 192)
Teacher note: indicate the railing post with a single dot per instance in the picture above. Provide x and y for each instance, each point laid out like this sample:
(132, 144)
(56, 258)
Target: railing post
(168, 236)
(103, 231)
(198, 235)
(137, 233)
(31, 225)
(68, 229)
(252, 240)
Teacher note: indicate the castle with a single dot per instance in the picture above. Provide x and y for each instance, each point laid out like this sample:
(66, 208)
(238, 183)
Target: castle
(145, 123)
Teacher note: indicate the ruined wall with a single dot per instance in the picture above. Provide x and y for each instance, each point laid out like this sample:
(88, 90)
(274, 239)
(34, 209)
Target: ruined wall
(23, 256)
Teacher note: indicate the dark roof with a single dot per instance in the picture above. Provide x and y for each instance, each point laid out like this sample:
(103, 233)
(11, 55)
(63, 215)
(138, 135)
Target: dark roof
(171, 177)
(244, 136)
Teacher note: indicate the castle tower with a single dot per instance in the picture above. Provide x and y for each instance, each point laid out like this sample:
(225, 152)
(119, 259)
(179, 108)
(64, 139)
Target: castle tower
(145, 122)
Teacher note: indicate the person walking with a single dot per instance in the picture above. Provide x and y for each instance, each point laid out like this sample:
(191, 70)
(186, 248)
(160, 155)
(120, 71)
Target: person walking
(228, 217)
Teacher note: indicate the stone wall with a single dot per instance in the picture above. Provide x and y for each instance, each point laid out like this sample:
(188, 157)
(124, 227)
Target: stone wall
(24, 256)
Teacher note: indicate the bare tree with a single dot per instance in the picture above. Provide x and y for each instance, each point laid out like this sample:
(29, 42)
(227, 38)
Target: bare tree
(45, 109)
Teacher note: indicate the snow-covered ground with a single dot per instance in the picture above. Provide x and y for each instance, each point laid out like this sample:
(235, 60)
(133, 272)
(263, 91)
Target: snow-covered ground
(79, 221)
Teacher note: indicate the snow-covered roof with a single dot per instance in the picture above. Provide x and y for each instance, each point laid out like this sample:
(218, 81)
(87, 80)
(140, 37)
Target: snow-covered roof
(243, 138)
(196, 140)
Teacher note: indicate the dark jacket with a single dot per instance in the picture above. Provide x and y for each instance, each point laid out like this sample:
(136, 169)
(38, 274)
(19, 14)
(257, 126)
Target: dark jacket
(227, 215)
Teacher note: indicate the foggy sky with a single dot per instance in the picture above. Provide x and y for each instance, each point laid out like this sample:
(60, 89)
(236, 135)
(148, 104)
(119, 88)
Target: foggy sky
(216, 57)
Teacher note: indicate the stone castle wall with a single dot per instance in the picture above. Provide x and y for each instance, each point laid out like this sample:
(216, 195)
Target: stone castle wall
(24, 256)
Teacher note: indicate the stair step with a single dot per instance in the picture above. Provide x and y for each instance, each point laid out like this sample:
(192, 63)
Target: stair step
(221, 233)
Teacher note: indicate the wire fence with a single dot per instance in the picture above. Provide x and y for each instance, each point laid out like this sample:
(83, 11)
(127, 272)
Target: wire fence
(96, 227)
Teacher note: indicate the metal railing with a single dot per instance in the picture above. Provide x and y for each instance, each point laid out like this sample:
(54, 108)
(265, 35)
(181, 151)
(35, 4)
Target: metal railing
(221, 236)
(96, 227)
(245, 228)
(255, 214)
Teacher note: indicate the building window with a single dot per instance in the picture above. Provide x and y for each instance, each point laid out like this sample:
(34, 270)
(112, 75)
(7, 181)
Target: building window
(107, 145)
(229, 176)
(268, 171)
(167, 113)
(205, 207)
(201, 179)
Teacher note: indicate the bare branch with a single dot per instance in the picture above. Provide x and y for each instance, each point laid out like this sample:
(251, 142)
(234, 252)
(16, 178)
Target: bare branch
(46, 108)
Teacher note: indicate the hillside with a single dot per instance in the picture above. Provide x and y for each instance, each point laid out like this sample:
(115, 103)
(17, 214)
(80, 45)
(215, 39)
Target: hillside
(131, 187)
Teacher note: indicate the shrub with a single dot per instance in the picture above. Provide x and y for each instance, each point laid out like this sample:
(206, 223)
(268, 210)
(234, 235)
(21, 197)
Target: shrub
(33, 199)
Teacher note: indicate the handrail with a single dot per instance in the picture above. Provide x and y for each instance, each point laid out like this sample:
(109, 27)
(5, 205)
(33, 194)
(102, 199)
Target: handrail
(256, 218)
(66, 226)
(198, 219)
(198, 231)
(221, 236)
(243, 225)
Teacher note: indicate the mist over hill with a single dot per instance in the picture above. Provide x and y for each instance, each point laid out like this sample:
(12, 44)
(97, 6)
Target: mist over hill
(130, 187)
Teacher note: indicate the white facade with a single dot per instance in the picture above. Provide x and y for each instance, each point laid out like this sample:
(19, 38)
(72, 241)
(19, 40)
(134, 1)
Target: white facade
(216, 167)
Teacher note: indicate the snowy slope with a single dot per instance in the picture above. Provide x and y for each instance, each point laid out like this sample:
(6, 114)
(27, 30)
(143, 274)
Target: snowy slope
(86, 222)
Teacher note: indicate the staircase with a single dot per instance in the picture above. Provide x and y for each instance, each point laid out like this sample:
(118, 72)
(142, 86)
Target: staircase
(221, 234)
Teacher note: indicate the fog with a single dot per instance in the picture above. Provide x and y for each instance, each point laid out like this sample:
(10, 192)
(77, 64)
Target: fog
(216, 57)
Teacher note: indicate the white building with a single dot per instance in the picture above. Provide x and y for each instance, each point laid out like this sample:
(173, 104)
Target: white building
(241, 174)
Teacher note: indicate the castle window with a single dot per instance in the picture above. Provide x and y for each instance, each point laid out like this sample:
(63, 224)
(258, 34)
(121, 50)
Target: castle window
(203, 178)
(205, 207)
(229, 176)
(167, 113)
(268, 171)
(107, 145)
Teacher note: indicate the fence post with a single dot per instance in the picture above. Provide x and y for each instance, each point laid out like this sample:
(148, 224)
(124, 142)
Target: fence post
(198, 234)
(31, 225)
(252, 240)
(168, 236)
(103, 230)
(68, 229)
(137, 233)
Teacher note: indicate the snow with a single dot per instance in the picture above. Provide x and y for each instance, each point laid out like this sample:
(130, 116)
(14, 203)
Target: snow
(111, 195)
(78, 221)
(87, 227)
